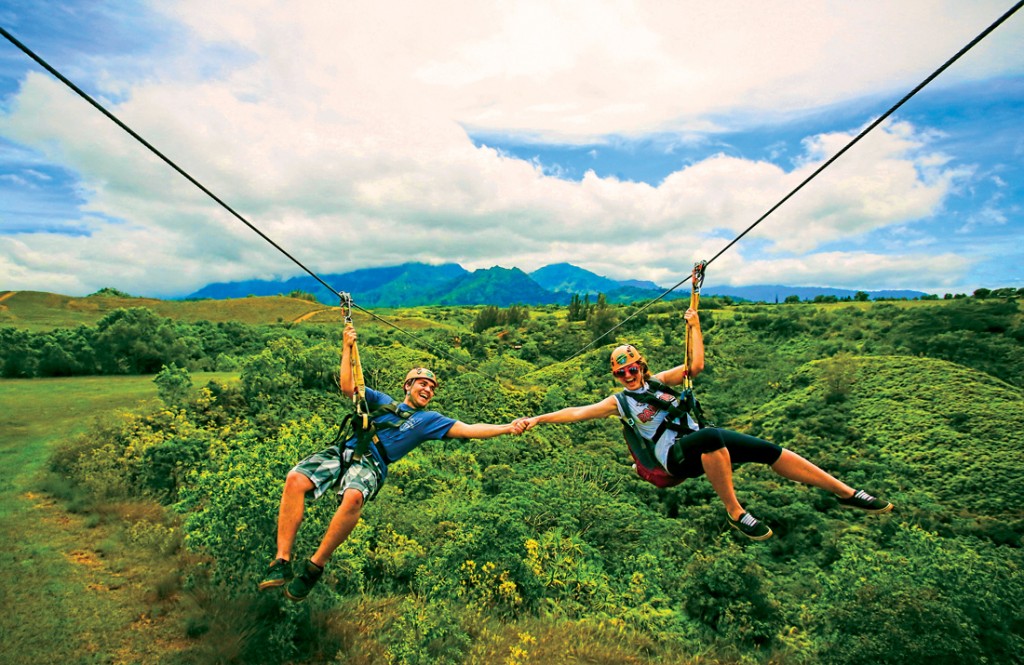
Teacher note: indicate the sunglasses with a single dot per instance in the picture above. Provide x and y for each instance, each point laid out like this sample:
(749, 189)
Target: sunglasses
(631, 370)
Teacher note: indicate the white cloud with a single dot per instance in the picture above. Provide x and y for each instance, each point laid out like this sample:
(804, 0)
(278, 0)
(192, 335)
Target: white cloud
(989, 215)
(342, 137)
(852, 270)
(15, 179)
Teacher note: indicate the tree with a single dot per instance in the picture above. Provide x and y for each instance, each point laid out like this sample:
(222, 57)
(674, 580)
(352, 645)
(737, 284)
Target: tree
(270, 377)
(173, 385)
(111, 292)
(17, 359)
(54, 360)
(137, 341)
(729, 593)
(516, 315)
(838, 374)
(601, 318)
(302, 295)
(489, 317)
(578, 308)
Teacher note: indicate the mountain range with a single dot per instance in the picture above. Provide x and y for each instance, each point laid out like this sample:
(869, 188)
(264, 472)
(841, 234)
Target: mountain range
(415, 284)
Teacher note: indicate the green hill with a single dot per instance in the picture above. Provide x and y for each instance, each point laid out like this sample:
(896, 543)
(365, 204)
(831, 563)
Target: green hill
(37, 310)
(496, 286)
(941, 435)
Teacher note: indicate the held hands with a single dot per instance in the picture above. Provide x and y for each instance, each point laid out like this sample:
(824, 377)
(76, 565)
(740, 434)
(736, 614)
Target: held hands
(520, 425)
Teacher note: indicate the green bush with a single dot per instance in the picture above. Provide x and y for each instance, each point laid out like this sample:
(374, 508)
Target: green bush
(470, 540)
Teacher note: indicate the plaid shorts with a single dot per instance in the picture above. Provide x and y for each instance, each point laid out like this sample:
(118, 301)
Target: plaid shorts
(334, 468)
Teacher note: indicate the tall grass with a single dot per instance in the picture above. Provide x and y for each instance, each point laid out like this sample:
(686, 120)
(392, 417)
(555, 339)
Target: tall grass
(76, 589)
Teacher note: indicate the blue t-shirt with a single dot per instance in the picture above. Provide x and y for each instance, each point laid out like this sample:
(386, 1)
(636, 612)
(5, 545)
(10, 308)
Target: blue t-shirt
(399, 441)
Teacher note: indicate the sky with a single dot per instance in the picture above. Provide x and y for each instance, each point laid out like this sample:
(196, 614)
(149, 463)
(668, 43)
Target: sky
(627, 137)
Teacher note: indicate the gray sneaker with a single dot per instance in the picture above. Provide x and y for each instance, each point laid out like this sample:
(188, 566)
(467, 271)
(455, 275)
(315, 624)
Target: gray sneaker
(864, 501)
(750, 526)
(279, 574)
(304, 582)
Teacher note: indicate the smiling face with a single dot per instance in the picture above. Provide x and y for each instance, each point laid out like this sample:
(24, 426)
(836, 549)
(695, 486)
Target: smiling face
(628, 366)
(419, 392)
(631, 376)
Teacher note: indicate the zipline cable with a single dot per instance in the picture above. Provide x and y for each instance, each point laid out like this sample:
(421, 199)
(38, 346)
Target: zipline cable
(818, 170)
(81, 93)
(231, 210)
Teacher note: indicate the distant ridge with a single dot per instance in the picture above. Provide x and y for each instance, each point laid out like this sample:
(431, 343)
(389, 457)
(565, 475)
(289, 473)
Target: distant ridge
(416, 284)
(394, 286)
(497, 286)
(777, 293)
(567, 278)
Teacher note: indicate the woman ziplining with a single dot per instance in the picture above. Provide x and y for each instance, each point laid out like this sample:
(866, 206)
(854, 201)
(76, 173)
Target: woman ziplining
(671, 441)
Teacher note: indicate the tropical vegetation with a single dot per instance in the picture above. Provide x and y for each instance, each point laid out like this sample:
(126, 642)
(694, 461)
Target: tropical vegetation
(547, 547)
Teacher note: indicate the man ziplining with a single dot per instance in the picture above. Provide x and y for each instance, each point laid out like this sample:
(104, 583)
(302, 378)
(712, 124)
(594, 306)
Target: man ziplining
(357, 467)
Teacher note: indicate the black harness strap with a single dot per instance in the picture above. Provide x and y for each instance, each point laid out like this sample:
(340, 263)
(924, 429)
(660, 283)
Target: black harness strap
(643, 448)
(364, 435)
(676, 420)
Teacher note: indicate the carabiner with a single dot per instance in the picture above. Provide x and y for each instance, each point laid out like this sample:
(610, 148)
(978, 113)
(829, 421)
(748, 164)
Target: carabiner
(698, 275)
(346, 304)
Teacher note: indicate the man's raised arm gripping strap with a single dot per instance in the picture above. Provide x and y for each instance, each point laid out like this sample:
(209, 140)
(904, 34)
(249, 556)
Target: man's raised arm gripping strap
(361, 421)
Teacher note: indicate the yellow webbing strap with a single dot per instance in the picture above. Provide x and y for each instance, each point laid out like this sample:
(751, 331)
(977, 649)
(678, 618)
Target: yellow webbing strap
(362, 423)
(359, 394)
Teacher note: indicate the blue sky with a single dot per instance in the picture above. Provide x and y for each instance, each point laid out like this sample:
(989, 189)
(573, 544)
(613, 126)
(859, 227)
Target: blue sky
(630, 138)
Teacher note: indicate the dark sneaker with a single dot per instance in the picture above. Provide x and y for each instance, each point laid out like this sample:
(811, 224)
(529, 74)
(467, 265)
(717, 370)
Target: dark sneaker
(750, 526)
(304, 582)
(866, 502)
(279, 574)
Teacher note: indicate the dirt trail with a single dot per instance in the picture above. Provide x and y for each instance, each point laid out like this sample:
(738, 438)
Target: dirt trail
(94, 592)
(309, 315)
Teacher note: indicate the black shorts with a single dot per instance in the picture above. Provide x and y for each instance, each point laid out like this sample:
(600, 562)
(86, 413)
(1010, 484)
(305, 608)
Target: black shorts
(684, 456)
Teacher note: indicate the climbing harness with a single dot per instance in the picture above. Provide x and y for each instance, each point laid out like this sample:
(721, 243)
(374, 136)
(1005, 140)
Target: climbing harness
(352, 426)
(365, 423)
(679, 406)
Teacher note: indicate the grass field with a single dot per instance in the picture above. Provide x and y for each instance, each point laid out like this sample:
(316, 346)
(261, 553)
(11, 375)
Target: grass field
(72, 591)
(37, 311)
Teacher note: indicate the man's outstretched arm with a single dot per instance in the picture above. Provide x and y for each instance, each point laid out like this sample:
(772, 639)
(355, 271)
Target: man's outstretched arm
(461, 430)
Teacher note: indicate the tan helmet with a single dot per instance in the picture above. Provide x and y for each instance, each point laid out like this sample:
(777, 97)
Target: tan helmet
(420, 373)
(625, 355)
